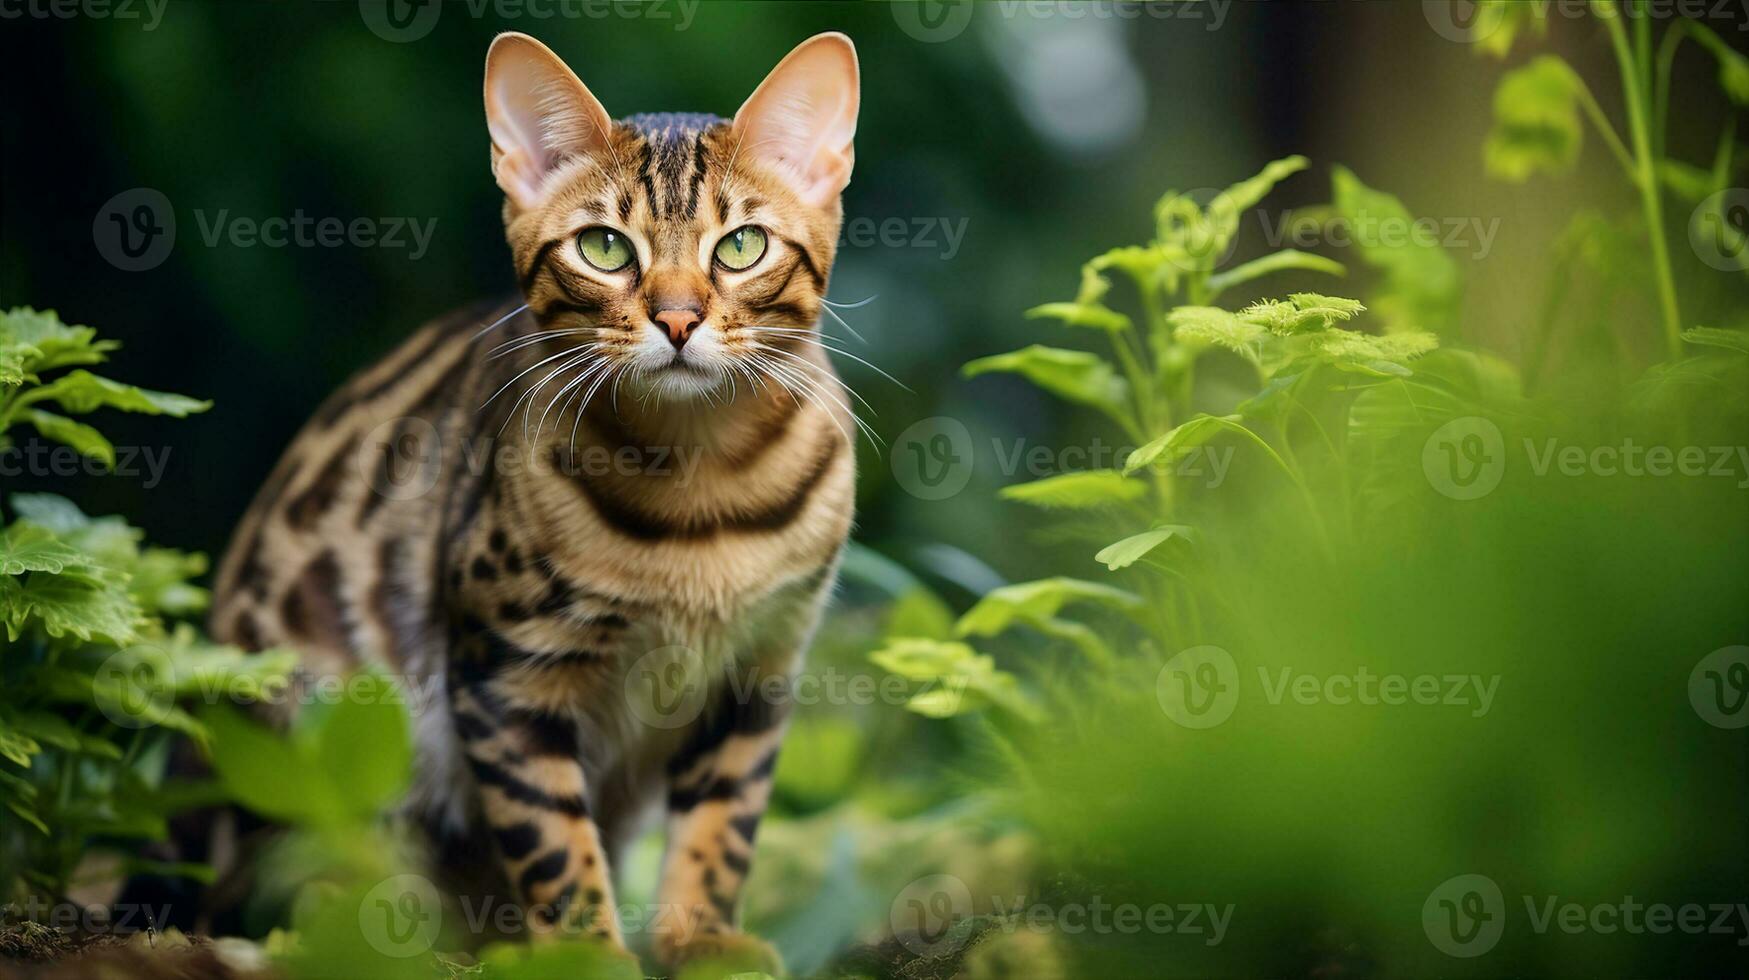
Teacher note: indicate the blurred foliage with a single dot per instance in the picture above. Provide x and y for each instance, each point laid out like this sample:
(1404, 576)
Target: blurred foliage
(93, 657)
(1033, 744)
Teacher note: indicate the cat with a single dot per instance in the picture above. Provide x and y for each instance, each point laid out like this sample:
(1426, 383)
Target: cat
(601, 518)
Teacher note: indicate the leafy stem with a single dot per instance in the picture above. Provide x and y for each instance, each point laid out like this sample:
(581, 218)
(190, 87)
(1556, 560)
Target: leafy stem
(1635, 89)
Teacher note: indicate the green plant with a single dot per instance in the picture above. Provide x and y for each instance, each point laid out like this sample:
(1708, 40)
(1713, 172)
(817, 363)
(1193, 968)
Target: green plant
(1537, 127)
(97, 648)
(1305, 368)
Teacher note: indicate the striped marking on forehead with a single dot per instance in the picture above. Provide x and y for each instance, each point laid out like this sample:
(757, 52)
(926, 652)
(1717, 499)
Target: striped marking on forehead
(674, 160)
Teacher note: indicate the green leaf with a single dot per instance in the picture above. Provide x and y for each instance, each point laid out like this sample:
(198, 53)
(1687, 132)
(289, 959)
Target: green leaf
(81, 391)
(1077, 376)
(920, 612)
(29, 548)
(87, 440)
(1362, 353)
(1140, 262)
(1192, 433)
(1213, 326)
(1737, 340)
(963, 680)
(1134, 548)
(1248, 193)
(1092, 315)
(28, 815)
(1282, 261)
(1031, 603)
(65, 605)
(1690, 183)
(1733, 66)
(266, 773)
(364, 745)
(1536, 121)
(17, 747)
(918, 659)
(161, 582)
(1077, 491)
(1421, 285)
(1302, 312)
(39, 341)
(1497, 24)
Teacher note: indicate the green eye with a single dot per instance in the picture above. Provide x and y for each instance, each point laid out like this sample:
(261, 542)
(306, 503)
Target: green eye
(740, 248)
(604, 248)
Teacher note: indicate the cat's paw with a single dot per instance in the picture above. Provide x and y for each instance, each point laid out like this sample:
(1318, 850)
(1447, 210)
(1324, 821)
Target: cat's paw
(720, 955)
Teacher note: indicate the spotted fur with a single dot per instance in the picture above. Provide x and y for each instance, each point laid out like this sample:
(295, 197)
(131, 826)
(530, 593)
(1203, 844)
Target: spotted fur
(545, 557)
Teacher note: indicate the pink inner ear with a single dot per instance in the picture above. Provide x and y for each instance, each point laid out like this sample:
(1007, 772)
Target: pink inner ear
(802, 119)
(538, 114)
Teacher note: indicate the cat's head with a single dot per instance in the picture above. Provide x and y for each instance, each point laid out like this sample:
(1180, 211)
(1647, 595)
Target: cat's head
(686, 250)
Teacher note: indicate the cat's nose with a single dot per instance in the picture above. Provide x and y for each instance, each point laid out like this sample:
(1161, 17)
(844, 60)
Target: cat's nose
(679, 324)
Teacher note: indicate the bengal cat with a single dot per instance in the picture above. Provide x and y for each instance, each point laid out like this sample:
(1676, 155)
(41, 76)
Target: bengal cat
(561, 511)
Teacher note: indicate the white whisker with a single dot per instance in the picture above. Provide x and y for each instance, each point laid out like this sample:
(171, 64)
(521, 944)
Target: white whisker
(501, 321)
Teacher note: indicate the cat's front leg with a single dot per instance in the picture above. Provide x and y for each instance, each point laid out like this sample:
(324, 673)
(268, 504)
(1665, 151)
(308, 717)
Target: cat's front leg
(719, 785)
(526, 767)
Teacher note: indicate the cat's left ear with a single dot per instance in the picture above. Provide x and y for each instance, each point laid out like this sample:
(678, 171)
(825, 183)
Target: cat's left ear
(540, 115)
(802, 118)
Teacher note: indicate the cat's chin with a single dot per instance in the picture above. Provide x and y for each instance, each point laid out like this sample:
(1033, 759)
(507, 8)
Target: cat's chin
(680, 384)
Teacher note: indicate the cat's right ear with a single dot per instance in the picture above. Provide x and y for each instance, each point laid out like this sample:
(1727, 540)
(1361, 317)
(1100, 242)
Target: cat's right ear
(539, 115)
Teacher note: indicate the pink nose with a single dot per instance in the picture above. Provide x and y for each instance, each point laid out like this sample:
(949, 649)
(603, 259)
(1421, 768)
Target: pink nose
(679, 324)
